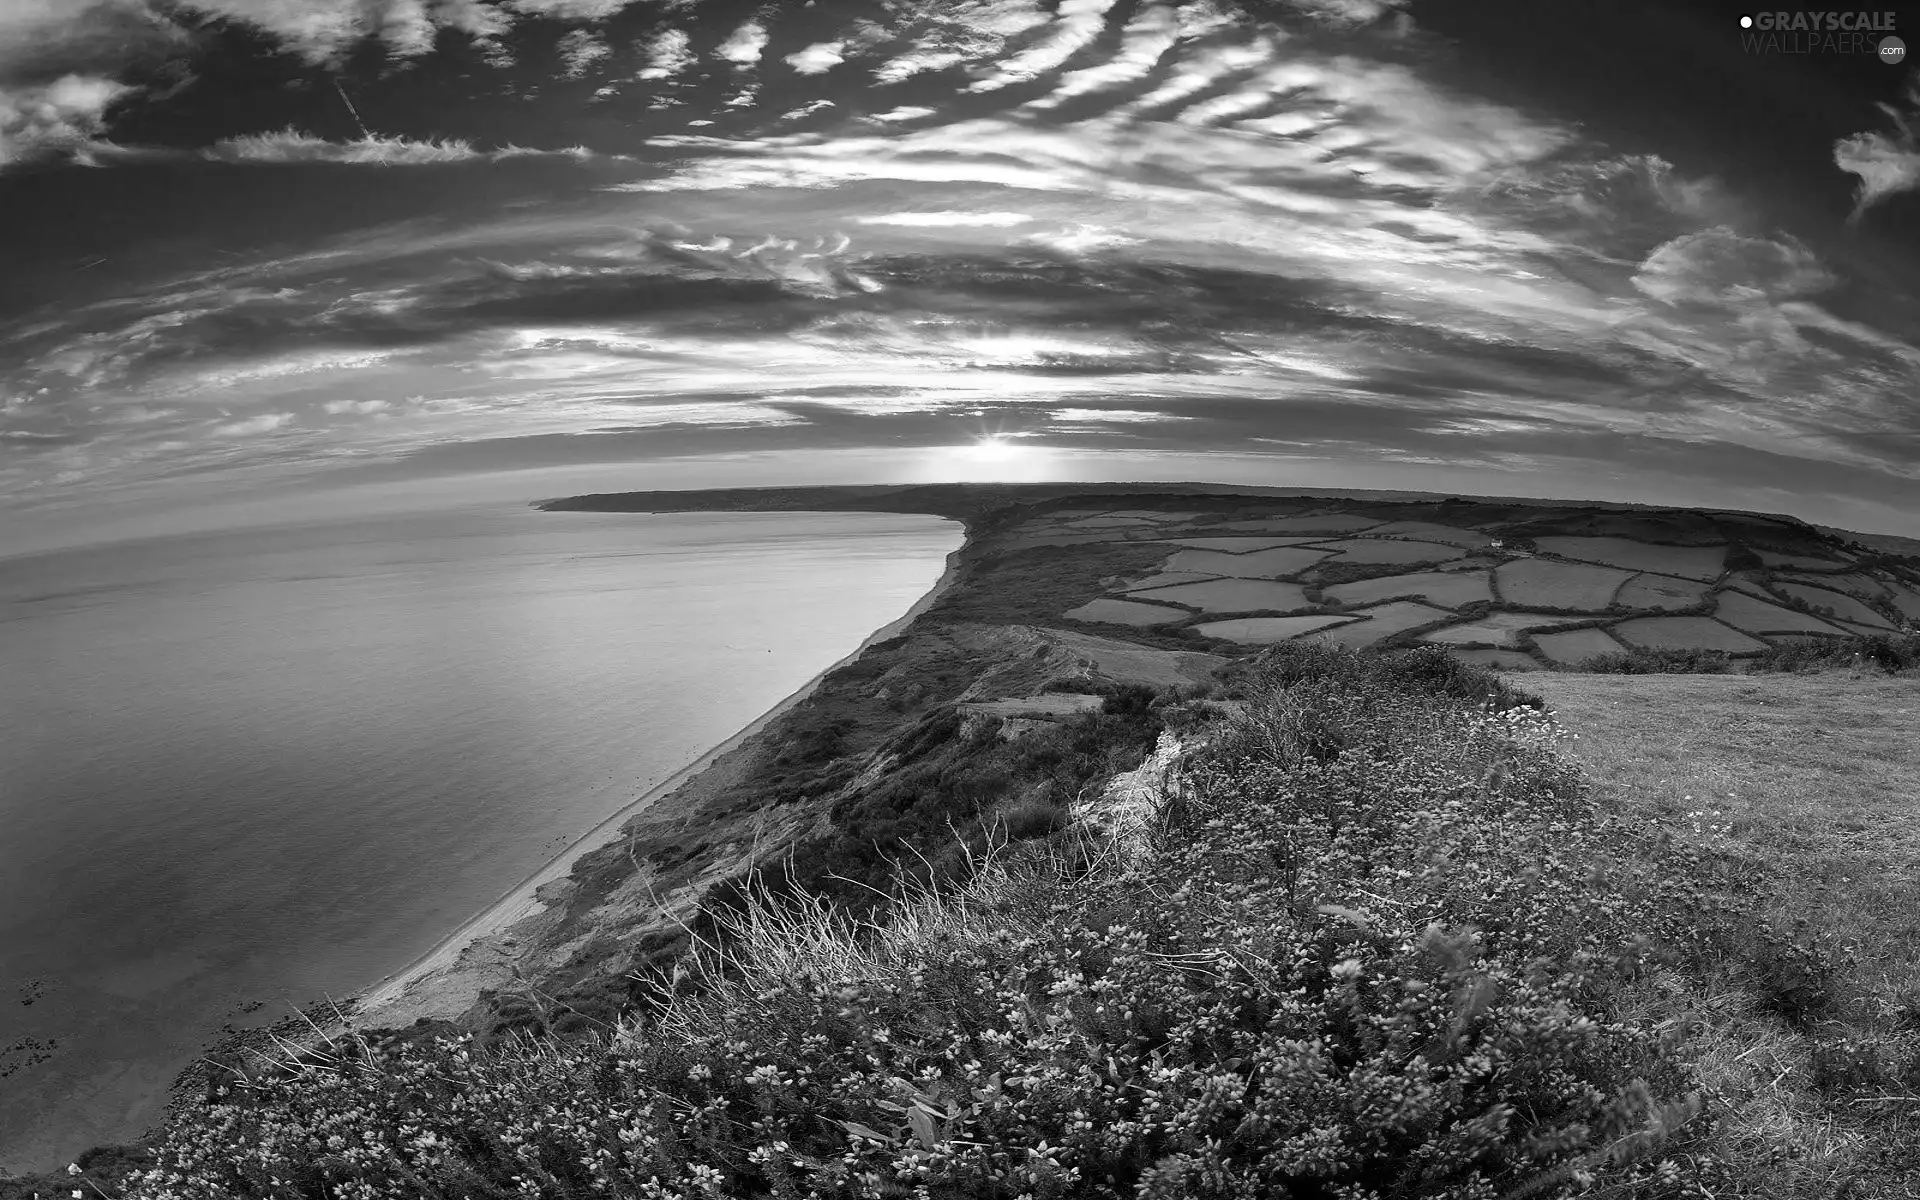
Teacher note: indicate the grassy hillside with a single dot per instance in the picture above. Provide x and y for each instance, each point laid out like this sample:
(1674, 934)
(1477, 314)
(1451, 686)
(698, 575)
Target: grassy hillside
(1387, 932)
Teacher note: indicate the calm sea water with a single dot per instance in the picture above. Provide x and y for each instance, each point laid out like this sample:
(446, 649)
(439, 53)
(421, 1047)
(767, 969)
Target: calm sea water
(279, 764)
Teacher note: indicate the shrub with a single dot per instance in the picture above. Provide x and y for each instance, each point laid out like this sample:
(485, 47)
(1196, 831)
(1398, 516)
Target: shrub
(1642, 661)
(1792, 980)
(1887, 652)
(1031, 819)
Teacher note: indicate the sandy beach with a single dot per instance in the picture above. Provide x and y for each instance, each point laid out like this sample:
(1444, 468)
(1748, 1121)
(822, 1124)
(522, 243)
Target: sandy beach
(447, 979)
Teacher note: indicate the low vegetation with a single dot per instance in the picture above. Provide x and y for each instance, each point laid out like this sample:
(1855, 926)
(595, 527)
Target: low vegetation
(1884, 653)
(1381, 936)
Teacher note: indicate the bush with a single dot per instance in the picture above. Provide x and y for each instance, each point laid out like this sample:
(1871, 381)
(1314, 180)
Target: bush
(1642, 661)
(1791, 980)
(1887, 652)
(1428, 670)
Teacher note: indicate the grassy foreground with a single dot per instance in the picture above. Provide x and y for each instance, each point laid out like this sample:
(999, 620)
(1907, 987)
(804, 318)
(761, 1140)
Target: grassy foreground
(1383, 935)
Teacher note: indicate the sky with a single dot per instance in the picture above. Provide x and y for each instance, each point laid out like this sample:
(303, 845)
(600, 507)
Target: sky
(267, 258)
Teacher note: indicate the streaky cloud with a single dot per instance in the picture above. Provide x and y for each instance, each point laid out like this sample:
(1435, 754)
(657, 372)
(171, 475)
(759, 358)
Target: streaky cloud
(294, 146)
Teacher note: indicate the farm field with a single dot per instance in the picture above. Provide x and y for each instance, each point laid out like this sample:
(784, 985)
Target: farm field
(1575, 646)
(1471, 539)
(1862, 587)
(1448, 589)
(1333, 524)
(1168, 579)
(1238, 545)
(1907, 601)
(1264, 630)
(1660, 591)
(1500, 629)
(1234, 595)
(1692, 562)
(1215, 562)
(1846, 607)
(1259, 564)
(1679, 633)
(1757, 616)
(1773, 558)
(1499, 660)
(1384, 621)
(1124, 612)
(1363, 550)
(1538, 583)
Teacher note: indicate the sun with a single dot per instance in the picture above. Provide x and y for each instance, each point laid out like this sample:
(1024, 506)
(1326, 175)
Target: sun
(988, 457)
(992, 448)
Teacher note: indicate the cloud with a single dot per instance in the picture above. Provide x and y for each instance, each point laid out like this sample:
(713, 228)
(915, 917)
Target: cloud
(743, 46)
(64, 116)
(1886, 163)
(817, 58)
(341, 407)
(570, 10)
(1154, 30)
(1076, 25)
(1720, 267)
(293, 146)
(579, 50)
(248, 426)
(669, 53)
(42, 40)
(946, 218)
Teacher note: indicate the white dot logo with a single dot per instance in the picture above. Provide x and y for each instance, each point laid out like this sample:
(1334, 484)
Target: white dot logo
(1892, 50)
(1746, 22)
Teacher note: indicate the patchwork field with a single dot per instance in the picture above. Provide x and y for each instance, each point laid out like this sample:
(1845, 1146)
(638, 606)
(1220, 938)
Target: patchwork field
(1846, 607)
(1907, 601)
(1861, 587)
(1333, 524)
(1124, 612)
(1167, 579)
(1500, 629)
(1774, 558)
(1383, 622)
(1238, 545)
(1265, 630)
(1482, 576)
(1538, 583)
(1234, 595)
(1448, 589)
(1499, 660)
(1258, 564)
(1693, 562)
(1363, 550)
(1575, 646)
(1471, 539)
(1757, 616)
(1659, 591)
(1683, 633)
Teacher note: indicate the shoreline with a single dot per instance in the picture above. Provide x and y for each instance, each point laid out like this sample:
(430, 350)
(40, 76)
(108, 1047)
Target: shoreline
(522, 901)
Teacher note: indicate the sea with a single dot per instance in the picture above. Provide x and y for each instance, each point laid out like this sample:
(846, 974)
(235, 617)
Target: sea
(241, 772)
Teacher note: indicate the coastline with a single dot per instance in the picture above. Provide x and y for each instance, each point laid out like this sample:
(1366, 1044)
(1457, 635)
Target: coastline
(522, 902)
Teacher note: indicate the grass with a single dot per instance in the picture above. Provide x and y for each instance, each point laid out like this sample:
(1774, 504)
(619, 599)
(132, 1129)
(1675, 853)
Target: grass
(1807, 784)
(1391, 932)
